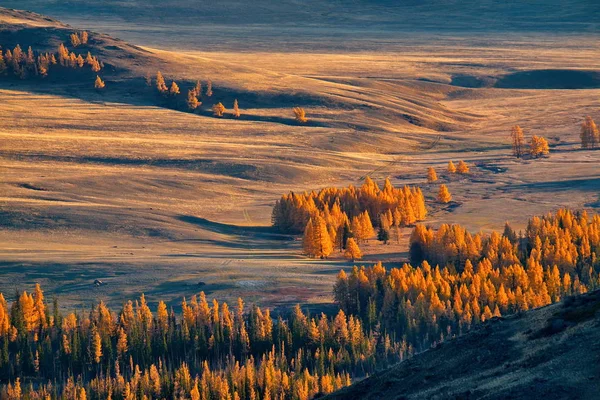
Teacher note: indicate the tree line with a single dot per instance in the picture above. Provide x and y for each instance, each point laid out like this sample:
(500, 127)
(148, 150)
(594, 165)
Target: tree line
(475, 278)
(209, 351)
(30, 64)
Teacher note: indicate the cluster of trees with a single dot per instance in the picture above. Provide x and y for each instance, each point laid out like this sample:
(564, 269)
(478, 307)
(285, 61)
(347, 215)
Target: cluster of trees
(538, 146)
(476, 277)
(462, 168)
(332, 216)
(78, 39)
(195, 95)
(209, 352)
(32, 64)
(590, 135)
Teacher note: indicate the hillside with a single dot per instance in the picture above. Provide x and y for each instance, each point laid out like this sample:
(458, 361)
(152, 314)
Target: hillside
(105, 184)
(548, 353)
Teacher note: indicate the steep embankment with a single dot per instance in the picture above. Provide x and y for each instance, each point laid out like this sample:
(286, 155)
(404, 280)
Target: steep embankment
(549, 353)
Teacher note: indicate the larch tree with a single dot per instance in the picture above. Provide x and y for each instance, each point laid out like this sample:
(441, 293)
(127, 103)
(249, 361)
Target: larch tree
(84, 37)
(352, 250)
(431, 175)
(198, 89)
(99, 83)
(451, 167)
(218, 110)
(538, 147)
(192, 100)
(590, 135)
(462, 168)
(160, 83)
(75, 41)
(444, 195)
(300, 115)
(147, 78)
(174, 89)
(209, 89)
(518, 141)
(383, 234)
(236, 109)
(323, 244)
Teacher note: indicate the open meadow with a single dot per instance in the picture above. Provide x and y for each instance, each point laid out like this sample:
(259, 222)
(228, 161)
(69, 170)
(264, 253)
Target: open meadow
(148, 199)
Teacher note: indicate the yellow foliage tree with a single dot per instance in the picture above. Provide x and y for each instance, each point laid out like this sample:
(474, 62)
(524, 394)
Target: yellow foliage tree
(161, 86)
(352, 250)
(99, 83)
(192, 100)
(300, 115)
(174, 89)
(218, 109)
(538, 146)
(462, 168)
(236, 109)
(590, 135)
(444, 195)
(451, 167)
(518, 140)
(431, 175)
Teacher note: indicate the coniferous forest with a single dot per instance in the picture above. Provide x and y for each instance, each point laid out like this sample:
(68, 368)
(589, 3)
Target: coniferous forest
(212, 351)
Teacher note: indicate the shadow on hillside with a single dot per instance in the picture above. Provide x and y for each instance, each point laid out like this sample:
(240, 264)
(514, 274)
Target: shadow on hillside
(249, 232)
(589, 184)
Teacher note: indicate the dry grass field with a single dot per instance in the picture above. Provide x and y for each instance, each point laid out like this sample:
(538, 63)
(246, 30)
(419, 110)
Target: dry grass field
(112, 186)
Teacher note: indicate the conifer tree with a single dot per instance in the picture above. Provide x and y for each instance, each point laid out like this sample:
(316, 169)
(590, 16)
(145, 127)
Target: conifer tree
(462, 168)
(444, 195)
(300, 115)
(218, 110)
(590, 135)
(383, 234)
(431, 175)
(538, 146)
(451, 167)
(84, 37)
(352, 250)
(209, 89)
(236, 109)
(174, 89)
(192, 100)
(160, 83)
(518, 141)
(99, 83)
(75, 41)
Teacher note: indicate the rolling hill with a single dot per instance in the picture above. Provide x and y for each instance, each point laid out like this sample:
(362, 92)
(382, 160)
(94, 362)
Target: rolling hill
(548, 353)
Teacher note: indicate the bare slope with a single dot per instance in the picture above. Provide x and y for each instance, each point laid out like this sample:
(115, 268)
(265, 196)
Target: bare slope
(548, 353)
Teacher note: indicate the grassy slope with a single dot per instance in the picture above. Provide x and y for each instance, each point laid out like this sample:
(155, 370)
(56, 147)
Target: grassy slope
(153, 200)
(548, 353)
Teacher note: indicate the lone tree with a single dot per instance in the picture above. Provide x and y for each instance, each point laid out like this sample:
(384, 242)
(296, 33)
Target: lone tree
(590, 135)
(352, 250)
(174, 89)
(451, 167)
(300, 115)
(147, 78)
(431, 175)
(209, 91)
(218, 109)
(192, 100)
(236, 109)
(444, 195)
(160, 83)
(518, 141)
(99, 83)
(462, 168)
(538, 147)
(198, 89)
(383, 234)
